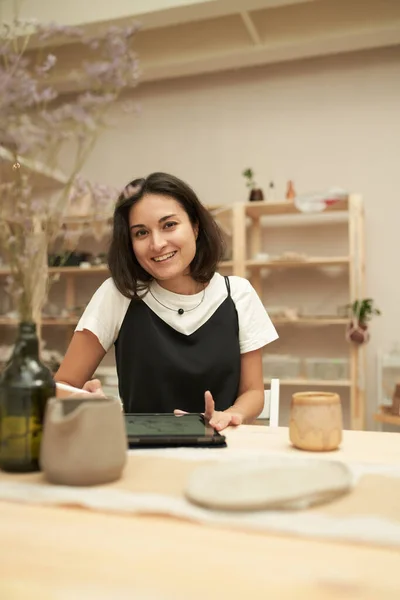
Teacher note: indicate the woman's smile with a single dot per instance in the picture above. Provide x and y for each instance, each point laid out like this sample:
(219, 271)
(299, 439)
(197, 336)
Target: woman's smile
(164, 257)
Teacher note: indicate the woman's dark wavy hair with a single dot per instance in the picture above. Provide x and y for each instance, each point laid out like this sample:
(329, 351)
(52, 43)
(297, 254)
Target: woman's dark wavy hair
(129, 277)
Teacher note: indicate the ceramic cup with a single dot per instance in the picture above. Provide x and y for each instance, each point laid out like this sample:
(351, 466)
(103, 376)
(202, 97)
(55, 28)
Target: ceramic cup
(316, 422)
(84, 441)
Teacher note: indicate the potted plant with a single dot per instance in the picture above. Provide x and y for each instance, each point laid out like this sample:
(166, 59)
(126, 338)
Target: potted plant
(360, 313)
(255, 192)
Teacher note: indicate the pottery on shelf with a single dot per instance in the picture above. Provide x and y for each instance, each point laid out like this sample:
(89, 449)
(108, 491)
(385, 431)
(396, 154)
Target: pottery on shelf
(357, 333)
(256, 194)
(290, 191)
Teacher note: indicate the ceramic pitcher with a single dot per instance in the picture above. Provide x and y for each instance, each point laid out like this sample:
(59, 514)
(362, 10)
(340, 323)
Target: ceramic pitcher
(84, 441)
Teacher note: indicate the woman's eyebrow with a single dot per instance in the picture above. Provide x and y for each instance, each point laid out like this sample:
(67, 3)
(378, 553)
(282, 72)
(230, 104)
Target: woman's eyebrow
(159, 220)
(166, 218)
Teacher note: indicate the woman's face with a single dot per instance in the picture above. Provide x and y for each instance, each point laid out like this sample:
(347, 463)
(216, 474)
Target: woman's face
(163, 238)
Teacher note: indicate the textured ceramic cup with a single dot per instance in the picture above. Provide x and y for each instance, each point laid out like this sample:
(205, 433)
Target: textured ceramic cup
(84, 441)
(316, 421)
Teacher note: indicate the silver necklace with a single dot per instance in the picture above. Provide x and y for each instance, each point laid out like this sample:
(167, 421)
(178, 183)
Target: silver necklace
(180, 311)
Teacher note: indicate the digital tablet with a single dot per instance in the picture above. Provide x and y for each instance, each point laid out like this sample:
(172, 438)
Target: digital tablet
(165, 429)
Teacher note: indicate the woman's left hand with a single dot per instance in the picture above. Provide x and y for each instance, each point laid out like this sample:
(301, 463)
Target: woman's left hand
(219, 419)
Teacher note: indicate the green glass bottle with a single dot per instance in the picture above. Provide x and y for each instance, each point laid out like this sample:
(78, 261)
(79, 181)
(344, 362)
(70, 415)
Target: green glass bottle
(25, 386)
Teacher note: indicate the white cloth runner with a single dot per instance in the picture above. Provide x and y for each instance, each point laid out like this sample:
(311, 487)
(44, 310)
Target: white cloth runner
(370, 529)
(201, 454)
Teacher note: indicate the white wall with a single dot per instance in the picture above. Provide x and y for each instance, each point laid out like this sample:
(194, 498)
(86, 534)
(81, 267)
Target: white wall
(323, 122)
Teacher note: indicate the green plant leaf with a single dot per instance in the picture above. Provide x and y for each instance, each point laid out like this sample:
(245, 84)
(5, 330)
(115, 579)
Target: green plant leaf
(363, 309)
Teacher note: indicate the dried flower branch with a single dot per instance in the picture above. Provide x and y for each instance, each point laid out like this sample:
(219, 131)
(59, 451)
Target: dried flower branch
(38, 127)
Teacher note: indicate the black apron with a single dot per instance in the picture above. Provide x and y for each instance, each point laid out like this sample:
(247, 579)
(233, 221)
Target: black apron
(160, 369)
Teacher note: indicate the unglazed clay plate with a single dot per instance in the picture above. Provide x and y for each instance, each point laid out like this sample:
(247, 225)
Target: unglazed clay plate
(268, 483)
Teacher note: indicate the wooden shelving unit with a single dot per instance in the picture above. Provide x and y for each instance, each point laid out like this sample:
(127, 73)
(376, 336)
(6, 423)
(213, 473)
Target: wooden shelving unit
(69, 274)
(248, 220)
(44, 179)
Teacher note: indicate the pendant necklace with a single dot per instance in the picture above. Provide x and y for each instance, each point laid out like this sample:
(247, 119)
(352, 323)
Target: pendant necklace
(180, 311)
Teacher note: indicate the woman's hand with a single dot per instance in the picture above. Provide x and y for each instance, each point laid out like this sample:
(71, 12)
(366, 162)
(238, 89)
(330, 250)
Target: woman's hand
(219, 419)
(91, 388)
(94, 387)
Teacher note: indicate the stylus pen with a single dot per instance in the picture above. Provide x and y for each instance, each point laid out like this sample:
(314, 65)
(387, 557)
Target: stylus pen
(73, 390)
(70, 388)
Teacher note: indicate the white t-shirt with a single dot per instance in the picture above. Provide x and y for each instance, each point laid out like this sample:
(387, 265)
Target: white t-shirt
(106, 310)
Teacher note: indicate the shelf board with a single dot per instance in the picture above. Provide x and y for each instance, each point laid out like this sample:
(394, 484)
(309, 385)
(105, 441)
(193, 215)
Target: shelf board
(75, 221)
(322, 261)
(74, 320)
(68, 270)
(62, 322)
(226, 264)
(260, 209)
(40, 175)
(309, 321)
(313, 382)
(212, 207)
(78, 270)
(382, 417)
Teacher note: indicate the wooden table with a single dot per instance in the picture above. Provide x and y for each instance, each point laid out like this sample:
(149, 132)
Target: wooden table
(73, 554)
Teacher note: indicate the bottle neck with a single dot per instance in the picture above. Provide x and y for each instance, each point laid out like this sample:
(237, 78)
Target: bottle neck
(27, 341)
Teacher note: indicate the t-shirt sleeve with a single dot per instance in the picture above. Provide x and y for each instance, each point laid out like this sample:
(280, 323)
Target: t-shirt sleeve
(104, 314)
(255, 326)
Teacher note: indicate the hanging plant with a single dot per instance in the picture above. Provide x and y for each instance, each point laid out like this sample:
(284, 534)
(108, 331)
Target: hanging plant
(360, 313)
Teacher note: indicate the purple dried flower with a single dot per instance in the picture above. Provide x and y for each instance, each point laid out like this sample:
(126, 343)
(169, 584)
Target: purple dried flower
(35, 122)
(47, 65)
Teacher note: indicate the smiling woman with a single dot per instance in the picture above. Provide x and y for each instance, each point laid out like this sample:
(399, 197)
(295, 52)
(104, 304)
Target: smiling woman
(161, 216)
(164, 244)
(185, 337)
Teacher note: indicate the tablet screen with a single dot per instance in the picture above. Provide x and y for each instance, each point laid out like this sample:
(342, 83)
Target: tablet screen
(165, 426)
